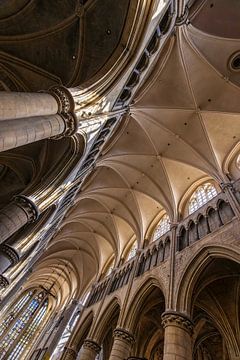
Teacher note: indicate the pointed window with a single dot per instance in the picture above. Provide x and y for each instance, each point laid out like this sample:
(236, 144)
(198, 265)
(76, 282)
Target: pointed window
(20, 326)
(132, 251)
(201, 196)
(162, 227)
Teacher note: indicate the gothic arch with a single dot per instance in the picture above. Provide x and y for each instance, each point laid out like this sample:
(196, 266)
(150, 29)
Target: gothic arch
(194, 269)
(82, 331)
(111, 311)
(138, 299)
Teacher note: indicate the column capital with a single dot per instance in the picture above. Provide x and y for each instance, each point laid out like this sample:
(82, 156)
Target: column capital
(174, 318)
(10, 253)
(64, 99)
(27, 206)
(69, 354)
(92, 345)
(123, 334)
(3, 282)
(71, 125)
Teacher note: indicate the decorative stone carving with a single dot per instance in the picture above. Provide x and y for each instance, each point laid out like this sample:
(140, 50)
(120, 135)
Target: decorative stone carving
(28, 206)
(124, 335)
(10, 252)
(90, 344)
(71, 125)
(69, 354)
(64, 99)
(177, 319)
(3, 282)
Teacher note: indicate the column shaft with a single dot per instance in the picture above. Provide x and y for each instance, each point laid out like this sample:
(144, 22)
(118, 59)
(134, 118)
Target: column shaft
(14, 133)
(177, 337)
(14, 105)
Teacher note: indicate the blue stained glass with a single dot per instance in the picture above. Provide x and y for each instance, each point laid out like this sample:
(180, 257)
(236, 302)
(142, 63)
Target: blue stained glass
(24, 327)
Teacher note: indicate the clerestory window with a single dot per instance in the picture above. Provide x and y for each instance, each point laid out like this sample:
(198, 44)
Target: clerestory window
(201, 196)
(162, 227)
(132, 251)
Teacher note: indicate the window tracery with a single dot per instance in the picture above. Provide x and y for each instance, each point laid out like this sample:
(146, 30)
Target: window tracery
(19, 327)
(162, 227)
(132, 251)
(201, 196)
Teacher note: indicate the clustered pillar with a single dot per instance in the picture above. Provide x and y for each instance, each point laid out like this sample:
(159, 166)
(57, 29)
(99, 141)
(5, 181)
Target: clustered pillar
(177, 336)
(122, 345)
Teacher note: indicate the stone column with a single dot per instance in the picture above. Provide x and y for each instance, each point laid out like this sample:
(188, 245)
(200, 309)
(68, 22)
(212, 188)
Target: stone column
(16, 105)
(18, 132)
(8, 257)
(27, 118)
(177, 336)
(122, 344)
(89, 350)
(15, 215)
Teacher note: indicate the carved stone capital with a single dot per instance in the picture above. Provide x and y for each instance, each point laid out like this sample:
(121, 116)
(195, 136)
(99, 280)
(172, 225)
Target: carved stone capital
(71, 124)
(176, 319)
(10, 253)
(3, 282)
(123, 334)
(90, 344)
(28, 206)
(64, 99)
(69, 354)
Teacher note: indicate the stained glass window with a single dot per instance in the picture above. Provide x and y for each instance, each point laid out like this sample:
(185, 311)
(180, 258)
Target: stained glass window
(14, 311)
(201, 196)
(26, 316)
(132, 252)
(162, 227)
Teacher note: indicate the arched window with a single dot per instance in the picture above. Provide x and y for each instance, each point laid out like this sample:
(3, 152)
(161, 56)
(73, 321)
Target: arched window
(201, 196)
(162, 227)
(132, 251)
(21, 324)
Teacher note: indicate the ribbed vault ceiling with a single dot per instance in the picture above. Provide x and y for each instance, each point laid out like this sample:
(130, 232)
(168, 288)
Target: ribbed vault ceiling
(184, 123)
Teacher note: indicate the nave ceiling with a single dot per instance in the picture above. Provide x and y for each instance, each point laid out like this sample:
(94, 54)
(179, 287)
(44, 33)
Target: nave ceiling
(183, 127)
(69, 42)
